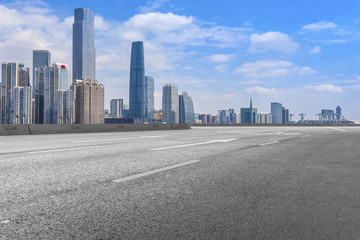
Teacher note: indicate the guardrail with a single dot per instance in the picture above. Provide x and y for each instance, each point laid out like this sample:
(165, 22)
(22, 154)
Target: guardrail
(84, 128)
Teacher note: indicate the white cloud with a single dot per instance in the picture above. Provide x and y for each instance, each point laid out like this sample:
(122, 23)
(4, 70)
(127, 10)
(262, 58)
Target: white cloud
(265, 68)
(305, 70)
(221, 68)
(319, 26)
(334, 41)
(316, 49)
(325, 88)
(151, 6)
(165, 35)
(26, 29)
(275, 41)
(271, 68)
(261, 90)
(221, 57)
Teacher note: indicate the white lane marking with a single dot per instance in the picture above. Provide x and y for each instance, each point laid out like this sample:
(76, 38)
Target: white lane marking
(292, 133)
(338, 129)
(61, 149)
(5, 222)
(120, 180)
(193, 138)
(264, 144)
(305, 136)
(117, 139)
(195, 144)
(233, 131)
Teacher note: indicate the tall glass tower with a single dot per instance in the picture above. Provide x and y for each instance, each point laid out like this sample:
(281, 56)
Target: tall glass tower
(150, 96)
(276, 112)
(170, 104)
(138, 91)
(83, 45)
(338, 113)
(186, 109)
(41, 58)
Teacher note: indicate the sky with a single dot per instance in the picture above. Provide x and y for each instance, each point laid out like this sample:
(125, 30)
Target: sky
(304, 54)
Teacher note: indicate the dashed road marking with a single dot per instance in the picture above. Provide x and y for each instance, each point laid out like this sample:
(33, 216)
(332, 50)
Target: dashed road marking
(120, 180)
(264, 144)
(338, 129)
(194, 144)
(117, 139)
(61, 149)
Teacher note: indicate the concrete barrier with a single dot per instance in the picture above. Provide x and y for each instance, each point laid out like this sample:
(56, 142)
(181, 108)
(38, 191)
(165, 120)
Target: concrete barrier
(14, 130)
(84, 128)
(272, 125)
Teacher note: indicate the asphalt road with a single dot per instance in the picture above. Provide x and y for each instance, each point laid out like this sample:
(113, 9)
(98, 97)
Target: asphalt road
(203, 183)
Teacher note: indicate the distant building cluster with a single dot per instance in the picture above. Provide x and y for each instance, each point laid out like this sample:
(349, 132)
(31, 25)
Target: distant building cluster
(51, 99)
(175, 108)
(278, 115)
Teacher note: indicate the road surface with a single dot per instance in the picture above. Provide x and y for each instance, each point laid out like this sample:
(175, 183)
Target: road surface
(203, 183)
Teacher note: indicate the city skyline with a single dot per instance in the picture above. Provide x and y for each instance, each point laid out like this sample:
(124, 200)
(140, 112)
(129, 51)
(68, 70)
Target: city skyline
(307, 64)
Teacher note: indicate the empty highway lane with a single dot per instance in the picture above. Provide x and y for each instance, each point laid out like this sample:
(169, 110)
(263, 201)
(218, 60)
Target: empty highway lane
(202, 183)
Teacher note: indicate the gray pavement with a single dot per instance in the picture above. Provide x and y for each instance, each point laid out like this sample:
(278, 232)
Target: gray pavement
(203, 183)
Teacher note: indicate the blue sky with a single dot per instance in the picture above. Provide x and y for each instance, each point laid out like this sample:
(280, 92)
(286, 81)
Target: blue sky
(304, 54)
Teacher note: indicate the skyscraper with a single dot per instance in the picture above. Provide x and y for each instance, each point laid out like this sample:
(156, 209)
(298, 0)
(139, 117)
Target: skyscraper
(232, 116)
(249, 115)
(186, 109)
(276, 112)
(56, 104)
(285, 115)
(223, 116)
(116, 108)
(83, 45)
(338, 113)
(150, 96)
(16, 94)
(41, 58)
(327, 115)
(170, 104)
(138, 92)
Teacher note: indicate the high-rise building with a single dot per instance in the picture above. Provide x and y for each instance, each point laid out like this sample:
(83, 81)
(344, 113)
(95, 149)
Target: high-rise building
(16, 94)
(203, 118)
(170, 104)
(327, 115)
(238, 118)
(285, 115)
(55, 105)
(116, 108)
(138, 92)
(232, 116)
(249, 115)
(264, 118)
(224, 116)
(186, 109)
(83, 45)
(64, 102)
(41, 58)
(149, 81)
(276, 113)
(89, 101)
(338, 113)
